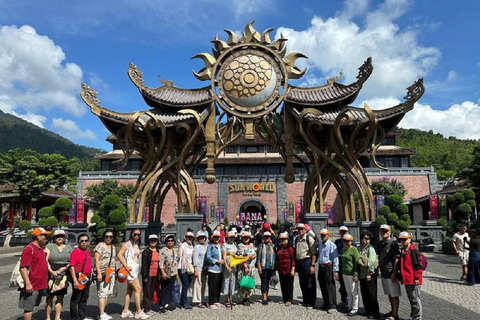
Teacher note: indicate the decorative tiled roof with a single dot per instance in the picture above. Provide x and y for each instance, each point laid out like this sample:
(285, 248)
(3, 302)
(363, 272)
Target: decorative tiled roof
(176, 97)
(323, 95)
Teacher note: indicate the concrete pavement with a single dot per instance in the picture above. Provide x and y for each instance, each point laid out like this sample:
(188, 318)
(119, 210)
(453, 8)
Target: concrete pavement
(444, 296)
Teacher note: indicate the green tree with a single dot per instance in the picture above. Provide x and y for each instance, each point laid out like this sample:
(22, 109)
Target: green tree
(32, 173)
(388, 187)
(474, 166)
(111, 214)
(97, 192)
(462, 204)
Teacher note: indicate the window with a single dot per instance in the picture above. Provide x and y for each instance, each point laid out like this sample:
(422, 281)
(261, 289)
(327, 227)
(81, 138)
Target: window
(389, 141)
(232, 149)
(404, 162)
(271, 149)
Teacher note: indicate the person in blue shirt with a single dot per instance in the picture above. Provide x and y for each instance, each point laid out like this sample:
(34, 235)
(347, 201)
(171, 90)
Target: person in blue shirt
(327, 271)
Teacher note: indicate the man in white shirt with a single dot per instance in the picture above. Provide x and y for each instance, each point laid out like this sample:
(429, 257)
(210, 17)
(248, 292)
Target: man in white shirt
(461, 248)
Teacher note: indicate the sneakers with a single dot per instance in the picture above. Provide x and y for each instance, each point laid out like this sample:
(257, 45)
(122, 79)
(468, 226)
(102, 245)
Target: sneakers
(104, 316)
(162, 310)
(150, 313)
(309, 307)
(141, 315)
(352, 313)
(126, 314)
(331, 311)
(171, 307)
(213, 306)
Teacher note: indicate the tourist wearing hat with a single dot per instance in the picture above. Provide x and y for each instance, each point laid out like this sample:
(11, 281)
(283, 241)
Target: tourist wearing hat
(149, 271)
(306, 256)
(285, 264)
(185, 267)
(215, 262)
(388, 252)
(367, 275)
(168, 262)
(327, 271)
(350, 256)
(129, 257)
(200, 275)
(105, 263)
(81, 273)
(339, 243)
(58, 256)
(265, 263)
(34, 272)
(229, 273)
(246, 249)
(411, 270)
(205, 231)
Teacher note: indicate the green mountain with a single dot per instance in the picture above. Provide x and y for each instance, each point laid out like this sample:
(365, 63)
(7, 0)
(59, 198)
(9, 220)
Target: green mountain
(18, 133)
(449, 156)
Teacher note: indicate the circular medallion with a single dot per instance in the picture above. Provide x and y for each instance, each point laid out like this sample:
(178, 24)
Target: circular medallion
(249, 81)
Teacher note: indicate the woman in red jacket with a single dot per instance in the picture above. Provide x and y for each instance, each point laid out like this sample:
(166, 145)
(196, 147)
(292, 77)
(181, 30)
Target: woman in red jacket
(411, 271)
(286, 268)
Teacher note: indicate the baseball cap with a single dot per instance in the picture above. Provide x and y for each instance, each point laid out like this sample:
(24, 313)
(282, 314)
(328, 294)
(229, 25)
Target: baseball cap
(169, 236)
(283, 235)
(267, 234)
(189, 234)
(347, 236)
(39, 231)
(324, 231)
(404, 235)
(201, 234)
(122, 275)
(246, 234)
(300, 225)
(153, 236)
(231, 234)
(343, 228)
(216, 233)
(59, 232)
(385, 227)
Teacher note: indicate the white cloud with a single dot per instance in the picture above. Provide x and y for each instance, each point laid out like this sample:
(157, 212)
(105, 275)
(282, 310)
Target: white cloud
(34, 75)
(478, 64)
(70, 130)
(339, 44)
(452, 75)
(36, 119)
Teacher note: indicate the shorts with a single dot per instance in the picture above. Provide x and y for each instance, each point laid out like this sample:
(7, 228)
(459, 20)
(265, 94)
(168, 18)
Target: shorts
(390, 288)
(133, 274)
(30, 300)
(105, 289)
(463, 257)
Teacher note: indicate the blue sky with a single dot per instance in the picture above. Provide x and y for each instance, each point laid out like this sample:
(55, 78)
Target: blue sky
(47, 48)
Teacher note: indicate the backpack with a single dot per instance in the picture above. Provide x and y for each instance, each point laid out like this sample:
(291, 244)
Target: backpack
(423, 260)
(308, 239)
(16, 279)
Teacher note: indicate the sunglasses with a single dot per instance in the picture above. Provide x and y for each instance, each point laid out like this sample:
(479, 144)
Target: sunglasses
(83, 241)
(170, 240)
(137, 234)
(110, 237)
(401, 240)
(59, 236)
(154, 240)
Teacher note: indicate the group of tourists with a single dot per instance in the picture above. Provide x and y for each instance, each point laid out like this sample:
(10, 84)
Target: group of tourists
(196, 264)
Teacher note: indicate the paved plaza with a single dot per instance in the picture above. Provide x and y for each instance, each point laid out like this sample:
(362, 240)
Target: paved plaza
(443, 297)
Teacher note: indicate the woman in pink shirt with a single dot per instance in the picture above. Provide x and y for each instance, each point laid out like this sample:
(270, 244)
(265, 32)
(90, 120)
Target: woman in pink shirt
(80, 263)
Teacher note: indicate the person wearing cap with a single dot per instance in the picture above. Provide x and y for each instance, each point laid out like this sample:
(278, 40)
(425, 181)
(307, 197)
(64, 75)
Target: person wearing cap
(34, 272)
(265, 264)
(215, 262)
(105, 262)
(285, 264)
(149, 271)
(265, 227)
(129, 258)
(229, 273)
(168, 262)
(388, 252)
(246, 249)
(185, 267)
(327, 271)
(367, 275)
(80, 263)
(58, 256)
(412, 273)
(306, 256)
(200, 275)
(339, 243)
(350, 256)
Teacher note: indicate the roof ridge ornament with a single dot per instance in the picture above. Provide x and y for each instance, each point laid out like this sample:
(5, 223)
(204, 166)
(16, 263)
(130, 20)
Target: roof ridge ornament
(415, 91)
(365, 71)
(332, 80)
(136, 75)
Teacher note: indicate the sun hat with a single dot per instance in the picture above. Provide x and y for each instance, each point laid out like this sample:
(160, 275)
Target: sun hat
(59, 232)
(385, 227)
(343, 228)
(231, 234)
(152, 236)
(189, 234)
(324, 231)
(267, 234)
(283, 235)
(39, 231)
(216, 233)
(246, 234)
(300, 225)
(201, 234)
(347, 236)
(169, 236)
(404, 235)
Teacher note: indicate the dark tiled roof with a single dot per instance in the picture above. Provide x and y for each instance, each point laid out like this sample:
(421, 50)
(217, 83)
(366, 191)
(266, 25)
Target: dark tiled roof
(172, 96)
(394, 151)
(322, 95)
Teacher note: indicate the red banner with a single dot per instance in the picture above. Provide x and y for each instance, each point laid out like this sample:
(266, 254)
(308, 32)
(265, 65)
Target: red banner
(80, 210)
(298, 210)
(433, 207)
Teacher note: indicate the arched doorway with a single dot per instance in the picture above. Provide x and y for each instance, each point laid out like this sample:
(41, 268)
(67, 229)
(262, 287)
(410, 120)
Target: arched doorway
(252, 211)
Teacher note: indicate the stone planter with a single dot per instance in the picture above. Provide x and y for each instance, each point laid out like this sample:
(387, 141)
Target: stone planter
(447, 248)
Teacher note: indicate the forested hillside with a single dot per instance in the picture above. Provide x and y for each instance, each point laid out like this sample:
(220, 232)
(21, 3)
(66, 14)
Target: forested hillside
(18, 133)
(449, 155)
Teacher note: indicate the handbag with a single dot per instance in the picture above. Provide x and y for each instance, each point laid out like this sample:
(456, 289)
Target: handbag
(190, 269)
(58, 283)
(247, 282)
(274, 280)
